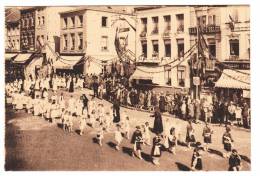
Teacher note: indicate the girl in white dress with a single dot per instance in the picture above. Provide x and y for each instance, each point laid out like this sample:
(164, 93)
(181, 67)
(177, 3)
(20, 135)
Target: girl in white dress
(70, 122)
(82, 125)
(118, 136)
(36, 106)
(146, 134)
(20, 102)
(100, 113)
(126, 127)
(92, 118)
(100, 135)
(61, 101)
(29, 104)
(79, 107)
(54, 84)
(71, 104)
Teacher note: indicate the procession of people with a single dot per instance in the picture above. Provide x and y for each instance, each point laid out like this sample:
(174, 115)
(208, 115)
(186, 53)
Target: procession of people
(44, 97)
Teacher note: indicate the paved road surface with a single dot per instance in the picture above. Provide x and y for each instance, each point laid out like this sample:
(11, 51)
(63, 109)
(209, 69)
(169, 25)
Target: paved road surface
(34, 144)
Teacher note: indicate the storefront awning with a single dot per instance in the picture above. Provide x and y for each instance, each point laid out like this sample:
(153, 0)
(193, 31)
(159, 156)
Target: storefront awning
(22, 58)
(156, 74)
(67, 62)
(234, 79)
(9, 56)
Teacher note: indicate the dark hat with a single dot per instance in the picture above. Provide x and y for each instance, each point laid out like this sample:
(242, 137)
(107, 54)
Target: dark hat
(228, 129)
(234, 151)
(198, 144)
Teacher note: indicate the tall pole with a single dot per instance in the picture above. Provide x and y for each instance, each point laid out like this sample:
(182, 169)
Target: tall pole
(198, 54)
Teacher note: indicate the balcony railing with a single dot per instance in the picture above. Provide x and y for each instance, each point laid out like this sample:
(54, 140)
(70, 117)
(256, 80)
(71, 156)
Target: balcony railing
(211, 29)
(155, 59)
(143, 34)
(233, 58)
(167, 32)
(180, 28)
(155, 30)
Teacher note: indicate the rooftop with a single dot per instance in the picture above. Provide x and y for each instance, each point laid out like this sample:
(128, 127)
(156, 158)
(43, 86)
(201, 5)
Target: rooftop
(12, 15)
(111, 9)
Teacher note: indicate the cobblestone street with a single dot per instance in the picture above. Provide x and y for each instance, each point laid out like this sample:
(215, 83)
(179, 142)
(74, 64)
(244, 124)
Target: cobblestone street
(35, 144)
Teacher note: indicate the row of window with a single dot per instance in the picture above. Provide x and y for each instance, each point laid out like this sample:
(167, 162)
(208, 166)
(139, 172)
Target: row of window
(206, 20)
(167, 21)
(41, 20)
(14, 43)
(74, 21)
(27, 22)
(77, 21)
(167, 48)
(13, 31)
(73, 41)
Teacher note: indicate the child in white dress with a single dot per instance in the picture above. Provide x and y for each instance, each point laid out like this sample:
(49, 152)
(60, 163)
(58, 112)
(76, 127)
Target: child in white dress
(126, 127)
(29, 104)
(146, 134)
(70, 122)
(82, 125)
(100, 135)
(118, 136)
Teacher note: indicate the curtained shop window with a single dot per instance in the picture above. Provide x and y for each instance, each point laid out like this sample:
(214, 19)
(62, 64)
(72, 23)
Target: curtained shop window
(180, 23)
(234, 47)
(212, 49)
(80, 41)
(167, 46)
(104, 43)
(155, 48)
(181, 76)
(180, 46)
(144, 48)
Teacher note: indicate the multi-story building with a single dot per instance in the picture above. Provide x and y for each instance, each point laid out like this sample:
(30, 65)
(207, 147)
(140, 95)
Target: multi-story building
(12, 38)
(226, 31)
(27, 29)
(39, 37)
(162, 36)
(90, 32)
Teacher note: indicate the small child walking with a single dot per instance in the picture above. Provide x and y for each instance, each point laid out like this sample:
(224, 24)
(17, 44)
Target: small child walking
(156, 149)
(137, 140)
(227, 141)
(118, 136)
(196, 161)
(172, 140)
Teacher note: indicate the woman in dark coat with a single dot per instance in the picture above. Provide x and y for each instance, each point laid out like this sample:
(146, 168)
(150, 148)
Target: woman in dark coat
(158, 125)
(116, 110)
(162, 103)
(71, 89)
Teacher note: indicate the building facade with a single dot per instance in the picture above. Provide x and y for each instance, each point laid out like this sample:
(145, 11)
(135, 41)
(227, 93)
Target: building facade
(91, 32)
(226, 30)
(163, 36)
(12, 36)
(27, 30)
